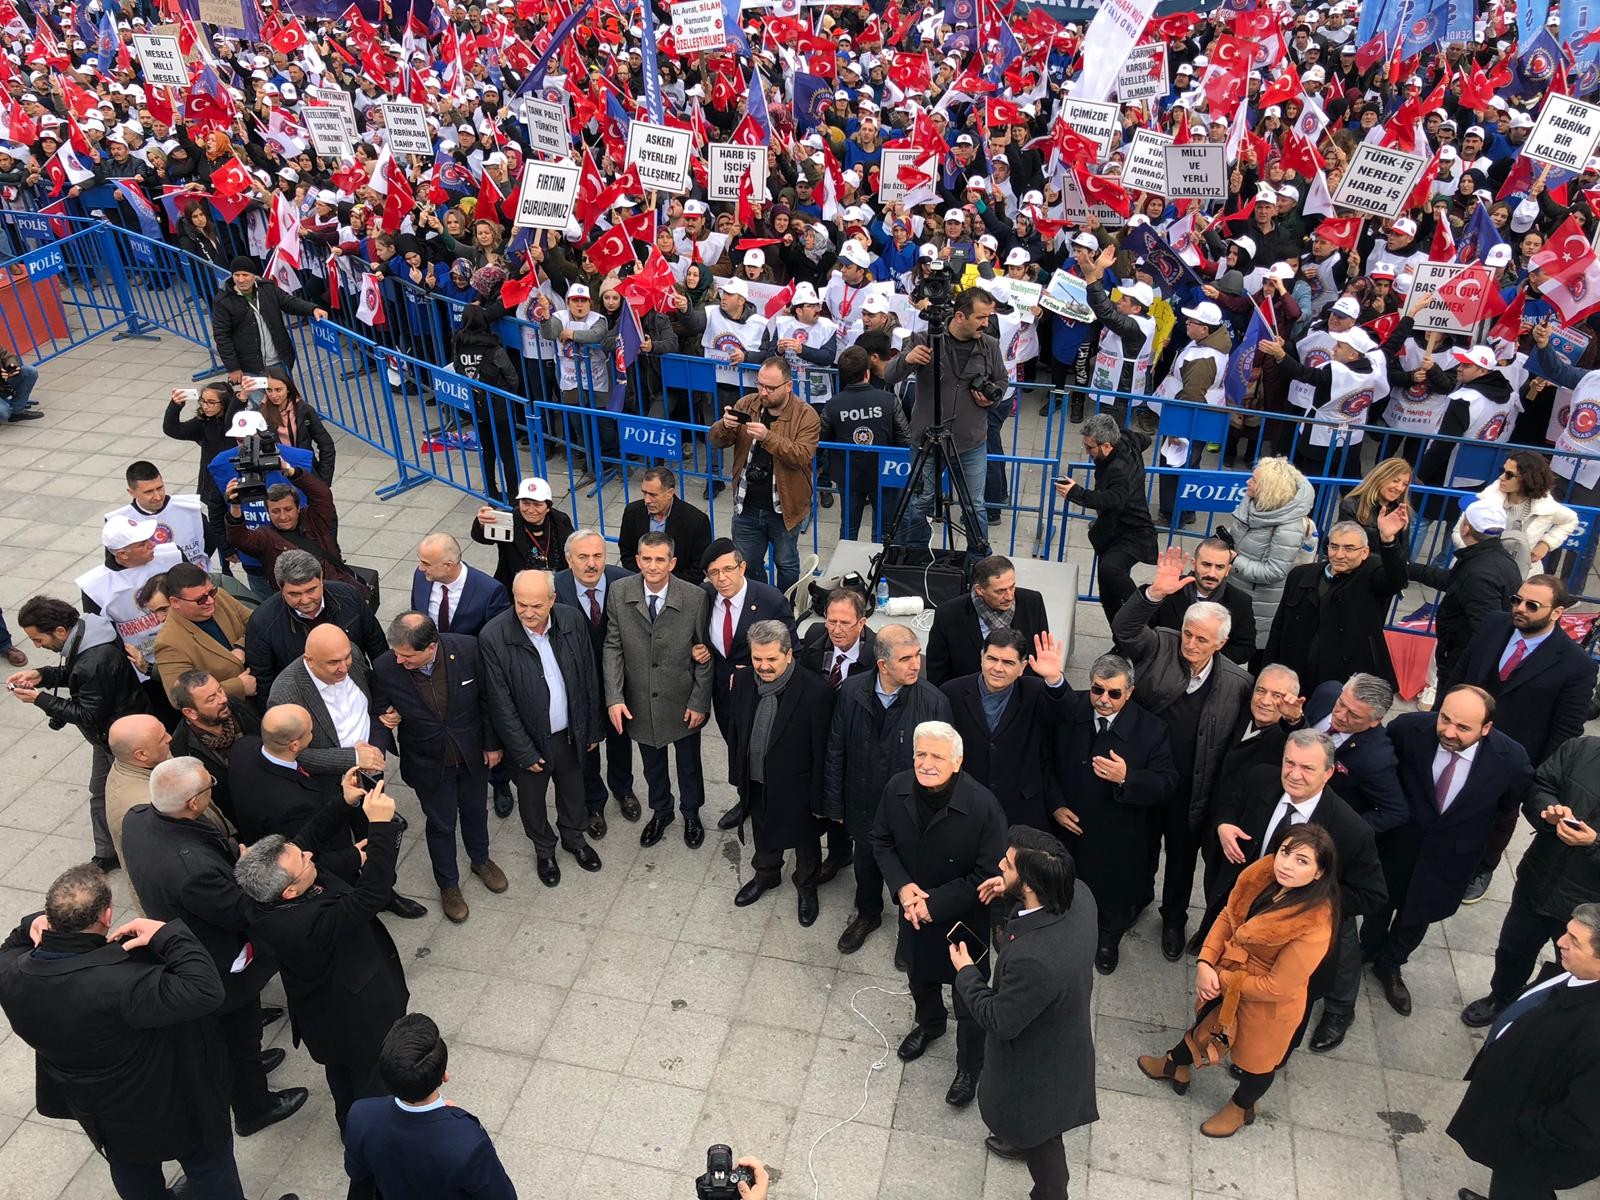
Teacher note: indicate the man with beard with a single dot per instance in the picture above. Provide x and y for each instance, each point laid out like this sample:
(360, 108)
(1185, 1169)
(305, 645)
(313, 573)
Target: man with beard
(210, 727)
(1213, 563)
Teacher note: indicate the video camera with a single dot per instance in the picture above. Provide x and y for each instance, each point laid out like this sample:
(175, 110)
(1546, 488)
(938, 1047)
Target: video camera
(938, 288)
(258, 457)
(721, 1180)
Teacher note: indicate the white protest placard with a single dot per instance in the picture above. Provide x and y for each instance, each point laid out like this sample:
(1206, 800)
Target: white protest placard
(1145, 169)
(890, 189)
(1077, 210)
(1430, 277)
(1197, 171)
(225, 14)
(726, 166)
(697, 25)
(1379, 180)
(1144, 75)
(162, 60)
(662, 156)
(1097, 120)
(1067, 296)
(1566, 133)
(549, 191)
(546, 124)
(1024, 294)
(339, 100)
(328, 132)
(407, 124)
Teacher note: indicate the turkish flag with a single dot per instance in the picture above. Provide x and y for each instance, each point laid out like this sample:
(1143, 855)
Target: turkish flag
(230, 180)
(1047, 227)
(611, 250)
(1371, 53)
(1300, 156)
(1178, 25)
(1000, 112)
(590, 184)
(1509, 324)
(778, 302)
(1224, 89)
(749, 133)
(744, 211)
(1343, 232)
(652, 287)
(369, 308)
(398, 204)
(1281, 90)
(490, 197)
(1256, 23)
(1443, 246)
(1467, 295)
(641, 228)
(290, 38)
(513, 292)
(626, 184)
(1568, 252)
(1072, 146)
(1103, 189)
(1383, 326)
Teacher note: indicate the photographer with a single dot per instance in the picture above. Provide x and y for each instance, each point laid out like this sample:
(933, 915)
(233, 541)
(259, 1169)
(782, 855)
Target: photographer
(972, 378)
(291, 525)
(16, 388)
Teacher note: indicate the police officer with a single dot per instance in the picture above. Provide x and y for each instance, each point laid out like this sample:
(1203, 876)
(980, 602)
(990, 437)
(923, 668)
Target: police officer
(860, 414)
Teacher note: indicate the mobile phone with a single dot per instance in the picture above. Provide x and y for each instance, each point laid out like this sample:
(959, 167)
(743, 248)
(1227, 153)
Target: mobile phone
(369, 779)
(189, 394)
(742, 417)
(1569, 822)
(974, 944)
(11, 687)
(500, 528)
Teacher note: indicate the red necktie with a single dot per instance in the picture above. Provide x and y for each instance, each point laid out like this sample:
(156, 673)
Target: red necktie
(1441, 790)
(594, 609)
(443, 621)
(1517, 656)
(727, 629)
(838, 668)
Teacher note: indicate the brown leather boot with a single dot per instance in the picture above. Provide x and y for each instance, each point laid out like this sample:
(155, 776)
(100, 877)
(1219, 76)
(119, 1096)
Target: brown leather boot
(493, 877)
(1229, 1119)
(454, 905)
(1165, 1068)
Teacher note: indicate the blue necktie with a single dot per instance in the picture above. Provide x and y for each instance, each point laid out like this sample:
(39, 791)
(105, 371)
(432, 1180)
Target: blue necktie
(1519, 1007)
(654, 600)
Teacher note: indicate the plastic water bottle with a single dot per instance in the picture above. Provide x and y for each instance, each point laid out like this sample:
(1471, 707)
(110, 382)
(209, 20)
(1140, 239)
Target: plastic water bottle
(883, 596)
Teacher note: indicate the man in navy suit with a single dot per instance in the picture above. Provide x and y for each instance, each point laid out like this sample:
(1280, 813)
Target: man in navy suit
(1461, 777)
(1352, 715)
(737, 602)
(1541, 681)
(584, 586)
(414, 1144)
(457, 598)
(447, 746)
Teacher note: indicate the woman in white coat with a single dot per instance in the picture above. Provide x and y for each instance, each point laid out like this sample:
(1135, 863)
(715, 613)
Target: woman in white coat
(1536, 522)
(1269, 530)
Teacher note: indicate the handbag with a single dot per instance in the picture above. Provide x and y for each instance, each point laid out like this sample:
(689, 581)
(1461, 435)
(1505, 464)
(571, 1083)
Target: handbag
(367, 579)
(1213, 1034)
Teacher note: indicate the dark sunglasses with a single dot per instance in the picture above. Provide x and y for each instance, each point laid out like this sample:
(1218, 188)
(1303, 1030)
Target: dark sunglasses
(1530, 605)
(209, 594)
(1508, 474)
(1096, 689)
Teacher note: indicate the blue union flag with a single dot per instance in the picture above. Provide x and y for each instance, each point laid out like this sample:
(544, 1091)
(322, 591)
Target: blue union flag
(1242, 362)
(1171, 272)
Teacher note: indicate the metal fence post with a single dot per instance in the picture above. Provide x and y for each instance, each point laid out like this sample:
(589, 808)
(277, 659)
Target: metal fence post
(138, 328)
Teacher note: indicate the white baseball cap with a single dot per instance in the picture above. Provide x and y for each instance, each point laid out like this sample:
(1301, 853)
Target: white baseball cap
(694, 208)
(1485, 516)
(1017, 257)
(246, 423)
(755, 258)
(1356, 339)
(534, 489)
(1205, 312)
(876, 302)
(1404, 225)
(804, 293)
(1477, 356)
(1087, 240)
(736, 287)
(118, 533)
(1346, 306)
(1139, 292)
(954, 214)
(855, 253)
(578, 291)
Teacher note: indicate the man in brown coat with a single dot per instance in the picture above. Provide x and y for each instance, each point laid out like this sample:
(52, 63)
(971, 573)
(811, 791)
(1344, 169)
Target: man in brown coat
(205, 632)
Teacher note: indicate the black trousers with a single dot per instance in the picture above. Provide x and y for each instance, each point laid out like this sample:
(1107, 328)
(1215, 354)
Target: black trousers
(563, 765)
(1047, 1164)
(1171, 826)
(1515, 1185)
(1251, 1086)
(1387, 940)
(840, 847)
(691, 782)
(618, 777)
(869, 880)
(459, 795)
(1116, 582)
(768, 865)
(928, 1008)
(1523, 934)
(241, 1034)
(349, 1084)
(212, 1175)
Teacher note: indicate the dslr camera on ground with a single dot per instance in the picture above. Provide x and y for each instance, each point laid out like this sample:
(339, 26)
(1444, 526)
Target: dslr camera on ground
(721, 1180)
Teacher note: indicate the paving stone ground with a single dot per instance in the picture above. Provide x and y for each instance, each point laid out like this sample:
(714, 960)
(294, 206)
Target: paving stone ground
(609, 1030)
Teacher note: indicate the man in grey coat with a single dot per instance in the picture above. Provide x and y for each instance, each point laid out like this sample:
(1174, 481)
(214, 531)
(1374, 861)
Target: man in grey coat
(1039, 1053)
(658, 680)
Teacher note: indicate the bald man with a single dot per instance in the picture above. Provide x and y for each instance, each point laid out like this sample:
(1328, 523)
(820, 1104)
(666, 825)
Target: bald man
(458, 598)
(138, 743)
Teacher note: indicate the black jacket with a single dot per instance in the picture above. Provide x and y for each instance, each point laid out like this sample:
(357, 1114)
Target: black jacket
(868, 743)
(120, 1039)
(518, 696)
(793, 762)
(340, 969)
(237, 335)
(1481, 580)
(183, 870)
(100, 682)
(268, 798)
(186, 745)
(1333, 633)
(210, 434)
(1010, 759)
(955, 642)
(424, 736)
(1366, 774)
(1554, 877)
(947, 860)
(1241, 642)
(1533, 1106)
(1122, 510)
(762, 602)
(276, 635)
(815, 652)
(523, 552)
(687, 526)
(1546, 699)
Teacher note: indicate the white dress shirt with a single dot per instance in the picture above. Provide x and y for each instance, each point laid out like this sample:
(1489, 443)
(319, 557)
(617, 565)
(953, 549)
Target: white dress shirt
(735, 604)
(843, 659)
(347, 706)
(1196, 682)
(661, 599)
(456, 587)
(1326, 726)
(1295, 814)
(554, 682)
(1463, 768)
(1565, 979)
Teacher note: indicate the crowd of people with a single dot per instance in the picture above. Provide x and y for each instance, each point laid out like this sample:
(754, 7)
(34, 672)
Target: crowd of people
(1240, 728)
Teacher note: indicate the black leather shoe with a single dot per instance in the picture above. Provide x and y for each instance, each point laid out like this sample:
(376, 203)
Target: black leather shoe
(587, 858)
(629, 804)
(284, 1105)
(403, 907)
(1195, 944)
(962, 1089)
(731, 818)
(915, 1042)
(272, 1059)
(106, 862)
(752, 891)
(1172, 942)
(1003, 1149)
(1108, 954)
(1395, 990)
(653, 829)
(1482, 1012)
(831, 867)
(1469, 1194)
(694, 833)
(597, 826)
(856, 932)
(809, 908)
(1330, 1031)
(549, 872)
(503, 801)
(269, 1014)
(26, 415)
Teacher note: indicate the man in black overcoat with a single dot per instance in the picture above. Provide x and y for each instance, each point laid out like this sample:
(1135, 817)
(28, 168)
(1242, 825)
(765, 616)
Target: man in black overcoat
(955, 641)
(837, 648)
(776, 745)
(936, 837)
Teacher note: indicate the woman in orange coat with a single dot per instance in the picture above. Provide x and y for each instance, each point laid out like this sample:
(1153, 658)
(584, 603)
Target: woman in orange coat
(1255, 968)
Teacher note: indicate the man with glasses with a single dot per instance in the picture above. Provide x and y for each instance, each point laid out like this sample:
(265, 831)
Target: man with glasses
(659, 509)
(180, 859)
(1541, 681)
(774, 437)
(838, 647)
(204, 631)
